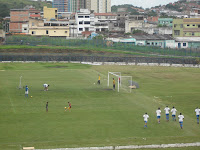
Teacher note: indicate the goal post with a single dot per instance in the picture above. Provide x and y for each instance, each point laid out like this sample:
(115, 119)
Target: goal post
(116, 74)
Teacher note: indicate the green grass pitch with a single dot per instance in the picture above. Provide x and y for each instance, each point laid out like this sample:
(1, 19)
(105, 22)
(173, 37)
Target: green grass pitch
(99, 116)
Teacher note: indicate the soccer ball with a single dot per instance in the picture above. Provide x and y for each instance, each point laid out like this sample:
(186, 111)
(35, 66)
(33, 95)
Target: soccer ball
(31, 96)
(94, 83)
(65, 107)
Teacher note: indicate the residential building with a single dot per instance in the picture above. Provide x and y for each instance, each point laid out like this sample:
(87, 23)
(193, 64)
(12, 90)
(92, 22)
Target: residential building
(18, 17)
(76, 5)
(163, 41)
(50, 13)
(61, 5)
(195, 13)
(84, 21)
(98, 6)
(177, 28)
(102, 20)
(165, 22)
(40, 27)
(186, 27)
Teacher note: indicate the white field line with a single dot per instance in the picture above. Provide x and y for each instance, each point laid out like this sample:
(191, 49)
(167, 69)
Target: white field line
(131, 147)
(12, 104)
(13, 107)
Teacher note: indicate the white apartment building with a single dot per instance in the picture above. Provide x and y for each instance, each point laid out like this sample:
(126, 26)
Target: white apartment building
(84, 21)
(99, 6)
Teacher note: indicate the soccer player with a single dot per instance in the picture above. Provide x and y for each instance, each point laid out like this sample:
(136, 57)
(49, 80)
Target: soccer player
(99, 79)
(26, 91)
(69, 108)
(119, 80)
(145, 116)
(158, 112)
(113, 84)
(197, 110)
(181, 117)
(167, 109)
(45, 87)
(174, 113)
(47, 104)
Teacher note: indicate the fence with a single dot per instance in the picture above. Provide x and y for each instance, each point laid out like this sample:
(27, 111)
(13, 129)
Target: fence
(95, 44)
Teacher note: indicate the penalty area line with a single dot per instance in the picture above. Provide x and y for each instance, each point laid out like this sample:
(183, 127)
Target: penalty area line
(197, 144)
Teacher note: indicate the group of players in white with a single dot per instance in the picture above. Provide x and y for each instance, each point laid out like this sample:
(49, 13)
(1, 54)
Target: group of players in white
(173, 111)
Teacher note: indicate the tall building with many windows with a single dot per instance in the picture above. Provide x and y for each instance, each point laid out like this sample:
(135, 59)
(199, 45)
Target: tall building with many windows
(99, 6)
(62, 5)
(76, 5)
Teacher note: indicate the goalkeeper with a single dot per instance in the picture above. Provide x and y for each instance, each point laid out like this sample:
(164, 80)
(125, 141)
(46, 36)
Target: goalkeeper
(99, 80)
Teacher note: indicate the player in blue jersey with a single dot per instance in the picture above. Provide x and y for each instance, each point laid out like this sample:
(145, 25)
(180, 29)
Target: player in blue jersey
(26, 91)
(197, 110)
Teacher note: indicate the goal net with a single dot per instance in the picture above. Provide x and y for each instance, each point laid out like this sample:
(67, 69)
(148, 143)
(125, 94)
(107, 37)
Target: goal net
(122, 83)
(126, 83)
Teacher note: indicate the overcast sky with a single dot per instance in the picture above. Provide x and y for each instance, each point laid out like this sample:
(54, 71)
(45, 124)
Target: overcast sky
(142, 3)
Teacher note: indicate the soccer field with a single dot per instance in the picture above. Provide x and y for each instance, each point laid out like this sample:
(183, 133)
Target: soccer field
(99, 115)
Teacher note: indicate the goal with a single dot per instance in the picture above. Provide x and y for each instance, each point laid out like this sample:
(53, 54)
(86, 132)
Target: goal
(122, 83)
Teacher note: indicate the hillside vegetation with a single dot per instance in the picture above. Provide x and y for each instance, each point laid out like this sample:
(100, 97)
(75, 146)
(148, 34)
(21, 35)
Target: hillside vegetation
(6, 5)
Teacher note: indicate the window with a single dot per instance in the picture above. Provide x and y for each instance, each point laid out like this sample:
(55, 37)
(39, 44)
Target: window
(25, 28)
(33, 23)
(181, 25)
(80, 16)
(188, 25)
(65, 31)
(174, 25)
(198, 25)
(87, 16)
(192, 33)
(86, 22)
(86, 29)
(184, 44)
(80, 29)
(152, 43)
(33, 32)
(80, 22)
(54, 31)
(193, 25)
(176, 32)
(170, 21)
(47, 32)
(97, 30)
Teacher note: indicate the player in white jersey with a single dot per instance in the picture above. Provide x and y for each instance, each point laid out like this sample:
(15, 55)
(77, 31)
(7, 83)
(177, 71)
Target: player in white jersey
(167, 109)
(145, 116)
(45, 87)
(158, 113)
(181, 117)
(174, 113)
(197, 110)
